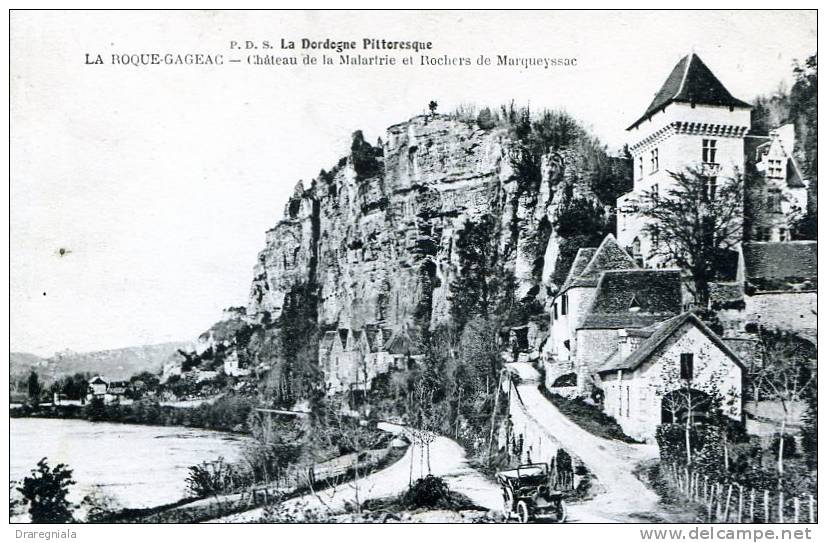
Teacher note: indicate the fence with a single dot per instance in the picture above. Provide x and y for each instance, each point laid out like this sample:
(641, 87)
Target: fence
(732, 502)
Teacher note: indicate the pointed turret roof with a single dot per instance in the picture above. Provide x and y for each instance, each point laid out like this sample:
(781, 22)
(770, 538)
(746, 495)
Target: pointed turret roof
(691, 81)
(590, 263)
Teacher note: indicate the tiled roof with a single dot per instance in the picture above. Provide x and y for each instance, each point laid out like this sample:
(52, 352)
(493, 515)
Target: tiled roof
(661, 334)
(400, 343)
(609, 256)
(794, 180)
(754, 147)
(691, 81)
(581, 260)
(327, 342)
(781, 260)
(656, 295)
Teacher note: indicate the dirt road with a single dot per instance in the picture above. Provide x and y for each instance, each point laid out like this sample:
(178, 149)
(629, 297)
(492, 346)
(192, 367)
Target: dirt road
(623, 495)
(447, 461)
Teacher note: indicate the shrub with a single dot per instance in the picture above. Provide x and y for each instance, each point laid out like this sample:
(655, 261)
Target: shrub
(45, 492)
(427, 493)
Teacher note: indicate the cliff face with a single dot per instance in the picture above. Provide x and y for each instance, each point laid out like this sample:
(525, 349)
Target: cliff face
(376, 236)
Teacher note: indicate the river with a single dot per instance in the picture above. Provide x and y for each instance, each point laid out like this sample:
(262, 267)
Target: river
(139, 466)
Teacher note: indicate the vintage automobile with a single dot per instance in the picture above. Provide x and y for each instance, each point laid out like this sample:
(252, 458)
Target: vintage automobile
(527, 494)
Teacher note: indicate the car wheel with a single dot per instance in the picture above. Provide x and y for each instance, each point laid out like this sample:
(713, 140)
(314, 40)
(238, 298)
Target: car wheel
(522, 512)
(508, 503)
(561, 512)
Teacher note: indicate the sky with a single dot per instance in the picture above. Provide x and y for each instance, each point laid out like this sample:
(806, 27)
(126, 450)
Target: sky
(140, 195)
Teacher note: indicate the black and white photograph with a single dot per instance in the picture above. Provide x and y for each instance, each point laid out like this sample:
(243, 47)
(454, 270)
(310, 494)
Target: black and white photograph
(440, 267)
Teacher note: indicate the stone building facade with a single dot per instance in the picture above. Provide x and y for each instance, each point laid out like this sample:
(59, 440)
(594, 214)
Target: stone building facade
(665, 373)
(693, 122)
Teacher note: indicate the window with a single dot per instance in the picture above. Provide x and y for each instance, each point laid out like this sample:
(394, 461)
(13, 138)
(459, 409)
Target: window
(774, 169)
(627, 401)
(709, 150)
(564, 305)
(655, 193)
(655, 236)
(554, 312)
(687, 366)
(711, 186)
(640, 168)
(653, 160)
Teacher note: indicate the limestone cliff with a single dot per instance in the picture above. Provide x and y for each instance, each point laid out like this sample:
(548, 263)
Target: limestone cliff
(375, 236)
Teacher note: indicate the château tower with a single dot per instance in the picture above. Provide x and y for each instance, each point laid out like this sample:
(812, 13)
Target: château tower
(693, 121)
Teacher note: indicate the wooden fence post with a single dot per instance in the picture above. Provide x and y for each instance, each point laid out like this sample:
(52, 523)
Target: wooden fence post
(740, 504)
(766, 506)
(781, 507)
(752, 505)
(796, 506)
(812, 510)
(728, 498)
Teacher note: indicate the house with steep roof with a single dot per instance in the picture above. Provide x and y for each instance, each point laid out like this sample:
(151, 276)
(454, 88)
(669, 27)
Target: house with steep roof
(352, 359)
(624, 299)
(667, 372)
(692, 122)
(783, 197)
(569, 306)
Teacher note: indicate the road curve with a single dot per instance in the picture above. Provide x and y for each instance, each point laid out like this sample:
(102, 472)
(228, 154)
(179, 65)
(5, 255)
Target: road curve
(447, 461)
(611, 461)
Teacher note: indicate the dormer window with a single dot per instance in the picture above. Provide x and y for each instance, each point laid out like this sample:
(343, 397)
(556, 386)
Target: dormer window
(634, 305)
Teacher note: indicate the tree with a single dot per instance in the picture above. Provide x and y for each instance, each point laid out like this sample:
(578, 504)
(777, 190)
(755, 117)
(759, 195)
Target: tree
(698, 222)
(683, 396)
(787, 374)
(432, 105)
(45, 491)
(34, 388)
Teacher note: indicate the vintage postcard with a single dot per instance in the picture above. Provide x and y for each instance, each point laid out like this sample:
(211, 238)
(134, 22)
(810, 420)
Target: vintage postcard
(414, 267)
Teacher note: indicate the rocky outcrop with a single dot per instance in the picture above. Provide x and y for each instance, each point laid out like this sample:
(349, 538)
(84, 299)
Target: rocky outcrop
(375, 236)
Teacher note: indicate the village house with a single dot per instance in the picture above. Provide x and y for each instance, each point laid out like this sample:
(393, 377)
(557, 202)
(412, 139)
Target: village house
(784, 198)
(108, 392)
(352, 359)
(669, 371)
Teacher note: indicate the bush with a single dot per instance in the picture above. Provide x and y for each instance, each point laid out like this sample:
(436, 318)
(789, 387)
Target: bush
(427, 493)
(45, 491)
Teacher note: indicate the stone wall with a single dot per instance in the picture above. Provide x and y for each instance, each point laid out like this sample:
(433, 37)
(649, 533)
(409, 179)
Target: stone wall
(796, 311)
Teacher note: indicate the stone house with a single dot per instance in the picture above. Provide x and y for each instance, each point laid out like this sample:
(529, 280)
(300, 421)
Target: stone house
(667, 372)
(109, 392)
(693, 122)
(624, 299)
(232, 365)
(352, 359)
(785, 193)
(570, 305)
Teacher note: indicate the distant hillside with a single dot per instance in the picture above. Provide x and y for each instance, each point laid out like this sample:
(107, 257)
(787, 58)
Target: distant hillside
(113, 364)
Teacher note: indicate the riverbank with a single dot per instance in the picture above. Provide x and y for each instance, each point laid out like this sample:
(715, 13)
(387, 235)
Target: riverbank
(137, 466)
(228, 413)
